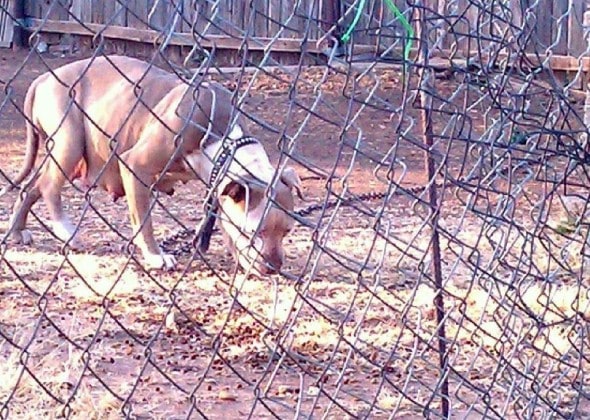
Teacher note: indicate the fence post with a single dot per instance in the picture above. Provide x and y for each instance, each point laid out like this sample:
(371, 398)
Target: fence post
(426, 77)
(17, 8)
(330, 14)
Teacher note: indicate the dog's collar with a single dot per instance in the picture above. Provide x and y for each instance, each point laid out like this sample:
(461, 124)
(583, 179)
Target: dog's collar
(228, 148)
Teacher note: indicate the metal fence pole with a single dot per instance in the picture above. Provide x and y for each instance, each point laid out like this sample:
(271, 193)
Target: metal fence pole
(425, 103)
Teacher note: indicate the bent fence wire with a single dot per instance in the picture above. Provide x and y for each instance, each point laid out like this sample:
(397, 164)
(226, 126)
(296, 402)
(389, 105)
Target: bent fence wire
(439, 270)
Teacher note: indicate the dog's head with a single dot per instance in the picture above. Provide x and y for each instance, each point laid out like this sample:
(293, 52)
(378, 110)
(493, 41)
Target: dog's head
(252, 201)
(254, 220)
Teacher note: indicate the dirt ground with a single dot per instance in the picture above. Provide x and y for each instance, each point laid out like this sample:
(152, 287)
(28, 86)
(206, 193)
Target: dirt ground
(90, 334)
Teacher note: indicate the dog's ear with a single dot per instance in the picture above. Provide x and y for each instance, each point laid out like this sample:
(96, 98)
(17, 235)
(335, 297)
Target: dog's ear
(235, 190)
(292, 180)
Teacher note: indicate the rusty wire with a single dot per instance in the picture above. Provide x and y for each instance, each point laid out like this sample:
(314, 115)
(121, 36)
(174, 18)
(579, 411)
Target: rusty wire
(460, 291)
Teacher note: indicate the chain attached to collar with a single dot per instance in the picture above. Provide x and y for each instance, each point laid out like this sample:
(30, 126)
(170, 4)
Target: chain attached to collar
(183, 242)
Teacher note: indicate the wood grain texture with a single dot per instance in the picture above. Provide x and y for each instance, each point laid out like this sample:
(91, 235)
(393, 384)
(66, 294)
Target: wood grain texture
(577, 42)
(556, 23)
(182, 39)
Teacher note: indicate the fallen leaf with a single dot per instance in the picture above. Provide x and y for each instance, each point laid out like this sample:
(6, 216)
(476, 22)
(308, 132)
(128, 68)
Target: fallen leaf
(171, 322)
(225, 395)
(313, 391)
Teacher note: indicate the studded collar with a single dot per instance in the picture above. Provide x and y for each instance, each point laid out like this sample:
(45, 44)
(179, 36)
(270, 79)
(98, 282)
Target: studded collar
(228, 149)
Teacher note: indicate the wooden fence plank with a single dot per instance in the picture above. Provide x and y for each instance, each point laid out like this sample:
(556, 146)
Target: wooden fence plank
(82, 10)
(108, 11)
(115, 11)
(46, 9)
(158, 14)
(314, 15)
(97, 12)
(52, 10)
(274, 13)
(19, 35)
(197, 16)
(87, 11)
(560, 8)
(467, 16)
(576, 43)
(150, 36)
(31, 8)
(224, 18)
(215, 10)
(173, 12)
(289, 19)
(137, 12)
(6, 25)
(543, 25)
(186, 23)
(76, 9)
(260, 21)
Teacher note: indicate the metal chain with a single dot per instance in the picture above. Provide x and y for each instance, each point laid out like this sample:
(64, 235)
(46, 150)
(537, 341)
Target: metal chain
(183, 242)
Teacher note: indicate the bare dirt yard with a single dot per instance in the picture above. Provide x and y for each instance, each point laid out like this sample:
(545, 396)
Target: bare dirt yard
(352, 330)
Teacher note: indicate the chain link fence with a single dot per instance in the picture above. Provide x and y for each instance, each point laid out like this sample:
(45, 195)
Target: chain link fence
(436, 268)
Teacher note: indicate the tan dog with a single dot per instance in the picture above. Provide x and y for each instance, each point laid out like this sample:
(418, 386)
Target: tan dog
(126, 126)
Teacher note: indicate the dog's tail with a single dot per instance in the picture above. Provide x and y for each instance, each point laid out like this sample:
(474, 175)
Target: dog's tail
(32, 143)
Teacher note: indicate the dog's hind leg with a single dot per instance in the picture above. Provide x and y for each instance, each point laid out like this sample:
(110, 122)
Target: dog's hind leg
(64, 158)
(25, 200)
(47, 184)
(59, 166)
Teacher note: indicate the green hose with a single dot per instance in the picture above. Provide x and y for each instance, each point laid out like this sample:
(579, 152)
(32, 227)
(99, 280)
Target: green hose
(405, 24)
(346, 36)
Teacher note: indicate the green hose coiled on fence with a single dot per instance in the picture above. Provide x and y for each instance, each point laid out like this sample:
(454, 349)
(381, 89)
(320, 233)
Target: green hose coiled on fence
(405, 24)
(346, 36)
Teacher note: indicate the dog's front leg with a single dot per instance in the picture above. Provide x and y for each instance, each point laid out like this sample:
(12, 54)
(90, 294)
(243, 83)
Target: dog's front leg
(136, 177)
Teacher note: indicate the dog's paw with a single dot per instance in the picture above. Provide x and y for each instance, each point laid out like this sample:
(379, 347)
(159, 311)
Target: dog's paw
(160, 261)
(66, 232)
(75, 244)
(24, 236)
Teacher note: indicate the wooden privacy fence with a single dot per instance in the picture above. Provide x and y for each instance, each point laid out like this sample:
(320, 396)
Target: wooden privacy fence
(6, 25)
(222, 23)
(290, 25)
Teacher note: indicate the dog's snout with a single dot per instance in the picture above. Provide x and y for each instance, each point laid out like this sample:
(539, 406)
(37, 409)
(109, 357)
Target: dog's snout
(268, 270)
(272, 264)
